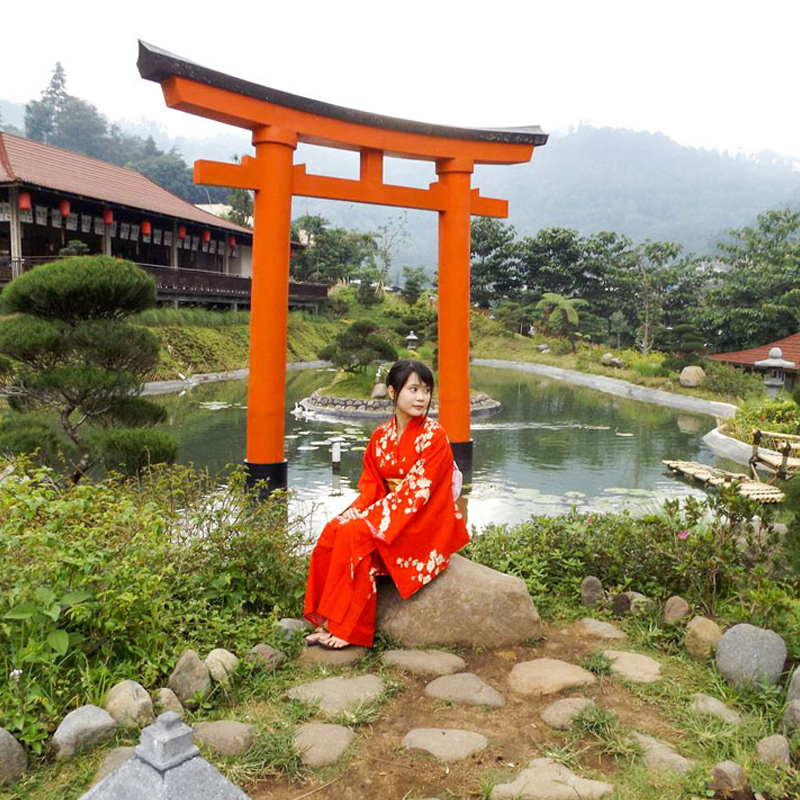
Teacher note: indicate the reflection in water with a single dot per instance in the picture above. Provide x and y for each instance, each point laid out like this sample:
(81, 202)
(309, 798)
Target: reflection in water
(553, 446)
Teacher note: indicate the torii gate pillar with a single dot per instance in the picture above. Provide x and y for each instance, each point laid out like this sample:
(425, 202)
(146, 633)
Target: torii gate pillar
(278, 121)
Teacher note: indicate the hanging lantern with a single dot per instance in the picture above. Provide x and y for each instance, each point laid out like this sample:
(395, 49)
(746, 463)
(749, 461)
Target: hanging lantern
(146, 229)
(231, 242)
(24, 201)
(181, 231)
(64, 208)
(206, 236)
(108, 217)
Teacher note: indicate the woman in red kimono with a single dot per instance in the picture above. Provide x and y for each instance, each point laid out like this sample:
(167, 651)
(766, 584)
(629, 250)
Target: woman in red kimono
(404, 522)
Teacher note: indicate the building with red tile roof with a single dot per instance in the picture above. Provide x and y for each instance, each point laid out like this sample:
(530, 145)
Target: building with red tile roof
(790, 350)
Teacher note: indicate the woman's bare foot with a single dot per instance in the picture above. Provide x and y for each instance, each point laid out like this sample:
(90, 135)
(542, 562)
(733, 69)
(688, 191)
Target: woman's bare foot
(319, 637)
(335, 643)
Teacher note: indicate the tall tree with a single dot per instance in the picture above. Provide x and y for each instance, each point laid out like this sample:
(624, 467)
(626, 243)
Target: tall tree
(494, 262)
(332, 253)
(562, 312)
(40, 115)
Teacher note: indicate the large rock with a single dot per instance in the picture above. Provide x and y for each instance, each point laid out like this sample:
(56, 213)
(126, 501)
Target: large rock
(702, 637)
(130, 704)
(225, 736)
(729, 781)
(190, 680)
(748, 656)
(446, 744)
(321, 744)
(692, 376)
(544, 676)
(222, 665)
(466, 688)
(13, 758)
(82, 729)
(468, 604)
(774, 750)
(545, 779)
(592, 591)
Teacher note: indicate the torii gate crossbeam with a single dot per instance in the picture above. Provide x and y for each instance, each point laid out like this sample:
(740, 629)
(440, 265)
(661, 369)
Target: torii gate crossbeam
(278, 121)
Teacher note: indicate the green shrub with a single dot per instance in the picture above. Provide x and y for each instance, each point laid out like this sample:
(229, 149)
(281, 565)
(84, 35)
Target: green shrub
(727, 380)
(779, 414)
(129, 451)
(105, 581)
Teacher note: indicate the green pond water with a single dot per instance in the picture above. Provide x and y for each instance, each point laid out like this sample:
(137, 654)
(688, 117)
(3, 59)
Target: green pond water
(553, 446)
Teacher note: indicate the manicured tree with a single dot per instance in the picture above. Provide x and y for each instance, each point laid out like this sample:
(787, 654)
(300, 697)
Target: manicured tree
(68, 351)
(357, 347)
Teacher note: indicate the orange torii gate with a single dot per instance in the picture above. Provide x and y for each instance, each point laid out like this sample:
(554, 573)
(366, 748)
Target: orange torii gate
(279, 121)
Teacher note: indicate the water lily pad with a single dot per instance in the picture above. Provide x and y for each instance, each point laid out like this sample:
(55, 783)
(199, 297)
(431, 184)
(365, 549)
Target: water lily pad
(307, 447)
(214, 405)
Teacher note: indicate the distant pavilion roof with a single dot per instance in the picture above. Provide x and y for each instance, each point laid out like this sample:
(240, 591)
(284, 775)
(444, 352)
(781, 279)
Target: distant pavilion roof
(24, 161)
(790, 347)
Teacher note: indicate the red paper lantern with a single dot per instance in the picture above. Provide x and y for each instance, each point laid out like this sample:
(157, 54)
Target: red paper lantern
(108, 216)
(206, 236)
(231, 242)
(24, 201)
(64, 208)
(181, 231)
(146, 229)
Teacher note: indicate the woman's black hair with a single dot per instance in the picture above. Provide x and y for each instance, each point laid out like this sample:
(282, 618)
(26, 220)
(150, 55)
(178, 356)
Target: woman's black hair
(403, 369)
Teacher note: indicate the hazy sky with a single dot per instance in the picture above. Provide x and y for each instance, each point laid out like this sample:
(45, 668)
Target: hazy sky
(706, 73)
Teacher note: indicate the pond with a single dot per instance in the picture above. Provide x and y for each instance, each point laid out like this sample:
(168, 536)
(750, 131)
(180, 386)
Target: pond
(553, 446)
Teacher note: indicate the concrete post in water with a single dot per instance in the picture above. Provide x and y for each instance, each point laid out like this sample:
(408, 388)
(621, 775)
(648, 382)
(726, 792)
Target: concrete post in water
(336, 456)
(166, 766)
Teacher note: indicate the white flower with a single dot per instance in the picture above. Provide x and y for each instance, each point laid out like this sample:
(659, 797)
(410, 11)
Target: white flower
(15, 674)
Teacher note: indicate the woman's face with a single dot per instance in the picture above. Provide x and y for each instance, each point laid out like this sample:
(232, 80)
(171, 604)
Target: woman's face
(414, 398)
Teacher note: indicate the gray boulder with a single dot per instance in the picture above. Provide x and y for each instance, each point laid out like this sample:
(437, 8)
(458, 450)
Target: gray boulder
(748, 656)
(82, 729)
(692, 376)
(728, 780)
(790, 721)
(591, 591)
(493, 609)
(130, 704)
(265, 656)
(774, 750)
(190, 680)
(13, 758)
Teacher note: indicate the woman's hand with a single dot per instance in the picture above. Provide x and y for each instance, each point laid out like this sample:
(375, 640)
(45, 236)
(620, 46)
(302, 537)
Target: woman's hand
(351, 513)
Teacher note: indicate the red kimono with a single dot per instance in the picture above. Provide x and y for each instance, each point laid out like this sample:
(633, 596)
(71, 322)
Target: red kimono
(409, 531)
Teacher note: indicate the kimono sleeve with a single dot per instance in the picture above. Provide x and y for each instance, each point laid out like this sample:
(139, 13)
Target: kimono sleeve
(432, 471)
(370, 486)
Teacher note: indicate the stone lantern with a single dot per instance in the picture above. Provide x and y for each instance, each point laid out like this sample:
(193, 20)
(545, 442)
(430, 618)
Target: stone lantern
(774, 368)
(412, 340)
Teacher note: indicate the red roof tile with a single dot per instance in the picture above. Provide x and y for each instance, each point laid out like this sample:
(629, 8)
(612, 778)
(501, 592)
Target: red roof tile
(24, 161)
(790, 347)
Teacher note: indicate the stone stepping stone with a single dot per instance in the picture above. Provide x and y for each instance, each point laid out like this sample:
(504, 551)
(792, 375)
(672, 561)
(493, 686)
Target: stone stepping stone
(424, 662)
(600, 629)
(560, 715)
(446, 744)
(332, 658)
(466, 688)
(545, 779)
(706, 706)
(321, 744)
(548, 676)
(225, 736)
(337, 694)
(661, 756)
(633, 667)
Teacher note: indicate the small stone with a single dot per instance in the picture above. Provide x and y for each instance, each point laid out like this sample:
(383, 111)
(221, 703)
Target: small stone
(793, 691)
(639, 602)
(601, 630)
(774, 750)
(547, 676)
(378, 391)
(292, 626)
(561, 714)
(620, 604)
(167, 700)
(661, 756)
(633, 666)
(705, 705)
(13, 758)
(592, 591)
(338, 694)
(222, 665)
(790, 721)
(728, 780)
(702, 637)
(190, 679)
(424, 662)
(606, 359)
(692, 376)
(333, 658)
(675, 610)
(545, 779)
(265, 656)
(321, 744)
(465, 688)
(114, 760)
(446, 744)
(225, 736)
(130, 704)
(747, 656)
(82, 729)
